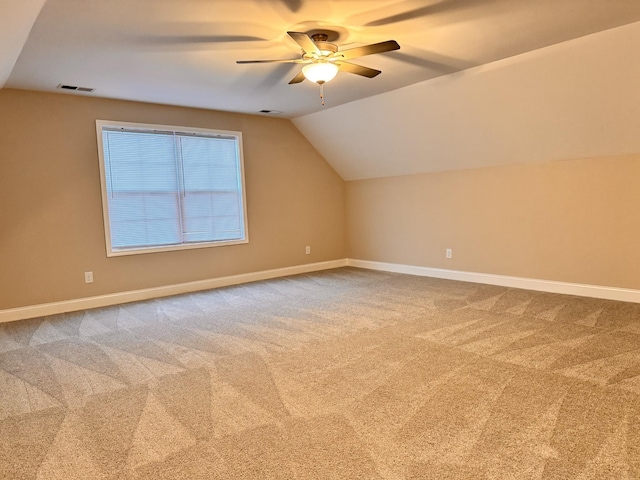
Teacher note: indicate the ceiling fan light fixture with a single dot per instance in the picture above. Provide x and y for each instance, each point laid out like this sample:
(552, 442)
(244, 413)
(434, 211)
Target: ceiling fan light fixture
(320, 72)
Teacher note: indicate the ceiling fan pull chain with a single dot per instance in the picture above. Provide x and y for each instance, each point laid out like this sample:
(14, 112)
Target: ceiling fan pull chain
(322, 93)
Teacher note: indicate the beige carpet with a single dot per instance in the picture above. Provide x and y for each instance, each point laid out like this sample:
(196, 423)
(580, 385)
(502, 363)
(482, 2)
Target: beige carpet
(344, 374)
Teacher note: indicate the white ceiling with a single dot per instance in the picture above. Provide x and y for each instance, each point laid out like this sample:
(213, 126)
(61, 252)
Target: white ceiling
(574, 100)
(16, 20)
(183, 52)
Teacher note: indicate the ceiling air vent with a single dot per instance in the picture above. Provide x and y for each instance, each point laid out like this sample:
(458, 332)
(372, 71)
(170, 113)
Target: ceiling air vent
(75, 88)
(271, 112)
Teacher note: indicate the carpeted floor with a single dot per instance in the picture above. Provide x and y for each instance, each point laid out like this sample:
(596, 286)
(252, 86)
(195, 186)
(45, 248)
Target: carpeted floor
(343, 374)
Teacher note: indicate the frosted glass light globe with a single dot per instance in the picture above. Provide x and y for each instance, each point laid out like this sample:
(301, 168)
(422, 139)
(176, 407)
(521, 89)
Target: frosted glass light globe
(320, 72)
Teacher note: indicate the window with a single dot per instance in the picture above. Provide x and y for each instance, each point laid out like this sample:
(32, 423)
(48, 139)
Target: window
(170, 188)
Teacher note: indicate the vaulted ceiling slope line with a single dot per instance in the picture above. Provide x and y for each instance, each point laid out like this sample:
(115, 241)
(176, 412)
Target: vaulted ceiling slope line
(17, 20)
(577, 99)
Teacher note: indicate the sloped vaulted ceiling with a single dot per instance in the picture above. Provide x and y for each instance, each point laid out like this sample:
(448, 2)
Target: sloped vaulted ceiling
(17, 20)
(475, 83)
(577, 99)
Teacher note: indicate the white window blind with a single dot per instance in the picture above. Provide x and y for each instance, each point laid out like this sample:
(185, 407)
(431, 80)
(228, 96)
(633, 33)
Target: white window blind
(167, 188)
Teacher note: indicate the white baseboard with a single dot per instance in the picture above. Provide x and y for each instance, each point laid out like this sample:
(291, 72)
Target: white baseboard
(32, 311)
(583, 290)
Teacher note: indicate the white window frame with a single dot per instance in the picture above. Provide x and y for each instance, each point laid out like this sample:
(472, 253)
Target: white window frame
(111, 252)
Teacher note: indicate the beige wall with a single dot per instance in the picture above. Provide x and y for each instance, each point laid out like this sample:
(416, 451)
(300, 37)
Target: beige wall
(51, 227)
(573, 221)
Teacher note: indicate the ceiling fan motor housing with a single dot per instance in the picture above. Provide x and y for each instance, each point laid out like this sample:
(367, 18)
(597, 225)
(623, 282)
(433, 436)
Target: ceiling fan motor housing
(327, 48)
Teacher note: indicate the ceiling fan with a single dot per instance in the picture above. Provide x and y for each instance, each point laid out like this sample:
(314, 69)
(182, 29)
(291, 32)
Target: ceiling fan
(323, 59)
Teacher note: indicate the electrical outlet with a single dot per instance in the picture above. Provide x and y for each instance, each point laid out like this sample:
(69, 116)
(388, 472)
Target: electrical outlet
(88, 277)
(307, 250)
(449, 253)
